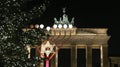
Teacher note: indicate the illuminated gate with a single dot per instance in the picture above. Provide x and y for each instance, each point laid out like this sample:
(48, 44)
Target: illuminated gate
(69, 37)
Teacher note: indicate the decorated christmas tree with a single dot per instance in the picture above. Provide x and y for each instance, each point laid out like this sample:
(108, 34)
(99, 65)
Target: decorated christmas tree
(15, 15)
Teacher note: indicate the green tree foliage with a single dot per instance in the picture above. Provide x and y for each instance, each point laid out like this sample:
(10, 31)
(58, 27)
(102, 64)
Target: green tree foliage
(15, 15)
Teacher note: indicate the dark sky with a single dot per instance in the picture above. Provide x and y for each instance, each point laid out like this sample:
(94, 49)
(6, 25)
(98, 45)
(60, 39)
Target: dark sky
(87, 15)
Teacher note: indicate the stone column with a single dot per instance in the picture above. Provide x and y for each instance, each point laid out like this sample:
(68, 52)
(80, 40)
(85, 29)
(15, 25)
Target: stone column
(73, 55)
(88, 56)
(104, 56)
(112, 64)
(56, 60)
(119, 65)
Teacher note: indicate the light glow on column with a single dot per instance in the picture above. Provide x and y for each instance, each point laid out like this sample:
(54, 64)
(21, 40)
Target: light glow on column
(101, 48)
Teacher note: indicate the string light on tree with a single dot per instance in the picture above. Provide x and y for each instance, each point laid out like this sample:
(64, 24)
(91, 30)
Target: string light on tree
(14, 17)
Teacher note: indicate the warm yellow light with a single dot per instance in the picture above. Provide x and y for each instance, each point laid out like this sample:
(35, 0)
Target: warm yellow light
(36, 26)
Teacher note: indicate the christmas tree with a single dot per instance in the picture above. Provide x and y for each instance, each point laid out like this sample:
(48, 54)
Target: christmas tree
(15, 15)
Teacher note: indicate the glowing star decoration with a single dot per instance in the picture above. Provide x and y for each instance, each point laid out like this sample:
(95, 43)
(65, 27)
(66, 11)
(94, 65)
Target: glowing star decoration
(47, 51)
(47, 48)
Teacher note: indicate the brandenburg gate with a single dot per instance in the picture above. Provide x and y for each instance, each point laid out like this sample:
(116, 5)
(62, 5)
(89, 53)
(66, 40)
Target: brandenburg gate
(82, 38)
(66, 36)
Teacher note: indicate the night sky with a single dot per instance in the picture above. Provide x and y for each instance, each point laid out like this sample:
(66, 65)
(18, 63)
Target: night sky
(87, 15)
